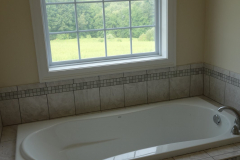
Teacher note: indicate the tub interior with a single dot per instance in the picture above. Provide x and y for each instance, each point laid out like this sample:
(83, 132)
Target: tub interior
(122, 134)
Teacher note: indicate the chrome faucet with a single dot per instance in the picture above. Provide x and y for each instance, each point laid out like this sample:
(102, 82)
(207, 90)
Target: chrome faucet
(236, 128)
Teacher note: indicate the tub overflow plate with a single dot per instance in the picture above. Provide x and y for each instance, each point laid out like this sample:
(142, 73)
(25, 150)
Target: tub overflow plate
(217, 119)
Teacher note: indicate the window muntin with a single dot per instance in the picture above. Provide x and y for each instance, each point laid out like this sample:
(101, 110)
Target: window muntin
(82, 31)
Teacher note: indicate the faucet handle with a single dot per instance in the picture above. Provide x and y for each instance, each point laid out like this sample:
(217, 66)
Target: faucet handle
(235, 130)
(237, 121)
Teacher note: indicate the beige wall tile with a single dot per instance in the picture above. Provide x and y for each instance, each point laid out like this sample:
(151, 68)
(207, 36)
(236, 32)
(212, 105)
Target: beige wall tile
(10, 112)
(179, 87)
(61, 104)
(135, 93)
(34, 108)
(112, 97)
(87, 100)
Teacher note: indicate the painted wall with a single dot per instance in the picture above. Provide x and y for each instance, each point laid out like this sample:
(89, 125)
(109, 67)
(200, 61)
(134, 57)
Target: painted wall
(190, 31)
(222, 34)
(18, 63)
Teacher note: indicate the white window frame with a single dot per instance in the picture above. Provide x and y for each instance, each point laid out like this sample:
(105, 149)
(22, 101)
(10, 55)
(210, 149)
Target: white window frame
(165, 58)
(52, 64)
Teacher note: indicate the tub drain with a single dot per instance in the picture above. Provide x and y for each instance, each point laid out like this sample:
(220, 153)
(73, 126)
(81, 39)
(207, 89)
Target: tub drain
(217, 119)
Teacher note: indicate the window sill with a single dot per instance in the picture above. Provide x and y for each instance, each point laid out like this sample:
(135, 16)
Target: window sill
(106, 67)
(108, 63)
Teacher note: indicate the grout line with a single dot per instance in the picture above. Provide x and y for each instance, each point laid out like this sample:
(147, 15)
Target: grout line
(190, 83)
(2, 127)
(224, 94)
(74, 97)
(20, 111)
(169, 87)
(224, 103)
(47, 103)
(209, 85)
(48, 107)
(124, 93)
(75, 106)
(147, 88)
(52, 118)
(88, 113)
(207, 153)
(203, 81)
(100, 94)
(19, 107)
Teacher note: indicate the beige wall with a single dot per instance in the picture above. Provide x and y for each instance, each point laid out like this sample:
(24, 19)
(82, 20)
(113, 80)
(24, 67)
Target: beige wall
(190, 31)
(222, 40)
(18, 63)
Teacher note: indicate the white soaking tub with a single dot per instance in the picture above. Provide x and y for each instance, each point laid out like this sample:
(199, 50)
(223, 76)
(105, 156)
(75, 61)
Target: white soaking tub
(152, 131)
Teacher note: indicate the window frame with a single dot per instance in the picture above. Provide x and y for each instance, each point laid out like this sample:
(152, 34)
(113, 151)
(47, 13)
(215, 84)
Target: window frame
(166, 47)
(104, 29)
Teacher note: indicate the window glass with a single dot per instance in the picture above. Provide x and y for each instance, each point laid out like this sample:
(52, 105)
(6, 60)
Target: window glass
(61, 17)
(92, 44)
(64, 47)
(90, 16)
(117, 14)
(143, 40)
(118, 42)
(143, 13)
(82, 30)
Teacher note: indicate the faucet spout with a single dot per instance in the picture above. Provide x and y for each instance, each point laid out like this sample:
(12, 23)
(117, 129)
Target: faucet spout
(236, 112)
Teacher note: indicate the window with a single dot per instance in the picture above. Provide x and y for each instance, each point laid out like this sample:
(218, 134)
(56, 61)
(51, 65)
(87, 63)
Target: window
(80, 31)
(76, 38)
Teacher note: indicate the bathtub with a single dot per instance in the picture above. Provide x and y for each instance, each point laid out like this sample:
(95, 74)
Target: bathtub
(151, 131)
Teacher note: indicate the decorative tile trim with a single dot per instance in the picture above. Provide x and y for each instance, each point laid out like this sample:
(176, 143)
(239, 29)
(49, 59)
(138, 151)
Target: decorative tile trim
(99, 83)
(222, 77)
(118, 81)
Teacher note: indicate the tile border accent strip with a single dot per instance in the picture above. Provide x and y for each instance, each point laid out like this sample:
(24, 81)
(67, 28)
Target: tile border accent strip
(222, 77)
(118, 81)
(99, 83)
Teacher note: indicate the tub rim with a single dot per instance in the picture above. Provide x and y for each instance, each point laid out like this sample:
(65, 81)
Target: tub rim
(41, 125)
